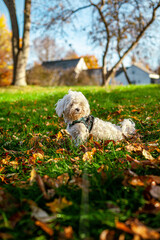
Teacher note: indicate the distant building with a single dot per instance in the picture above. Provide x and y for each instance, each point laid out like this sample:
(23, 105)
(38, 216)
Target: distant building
(77, 65)
(96, 74)
(137, 75)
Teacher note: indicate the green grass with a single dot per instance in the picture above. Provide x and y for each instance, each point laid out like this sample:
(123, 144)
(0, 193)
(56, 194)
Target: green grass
(100, 189)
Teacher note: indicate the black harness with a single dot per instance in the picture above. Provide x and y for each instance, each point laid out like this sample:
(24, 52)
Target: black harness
(87, 121)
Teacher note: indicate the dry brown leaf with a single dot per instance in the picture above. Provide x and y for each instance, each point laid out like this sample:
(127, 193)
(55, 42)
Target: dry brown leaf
(42, 186)
(107, 235)
(143, 231)
(39, 214)
(62, 179)
(135, 147)
(134, 226)
(136, 181)
(155, 191)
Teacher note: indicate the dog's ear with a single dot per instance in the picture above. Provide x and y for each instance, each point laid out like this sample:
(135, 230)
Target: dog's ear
(60, 107)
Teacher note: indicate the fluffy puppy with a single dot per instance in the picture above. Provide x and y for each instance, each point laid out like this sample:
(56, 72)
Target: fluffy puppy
(76, 113)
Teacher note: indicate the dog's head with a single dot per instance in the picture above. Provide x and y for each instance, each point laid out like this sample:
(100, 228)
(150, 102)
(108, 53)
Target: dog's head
(73, 106)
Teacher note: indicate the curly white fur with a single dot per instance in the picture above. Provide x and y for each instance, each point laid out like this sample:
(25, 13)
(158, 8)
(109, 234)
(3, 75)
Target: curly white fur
(74, 106)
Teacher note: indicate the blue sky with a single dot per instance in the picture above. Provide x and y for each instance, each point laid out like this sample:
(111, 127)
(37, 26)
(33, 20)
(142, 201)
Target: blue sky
(19, 8)
(76, 40)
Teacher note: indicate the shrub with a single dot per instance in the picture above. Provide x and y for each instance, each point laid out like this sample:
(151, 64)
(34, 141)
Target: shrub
(39, 75)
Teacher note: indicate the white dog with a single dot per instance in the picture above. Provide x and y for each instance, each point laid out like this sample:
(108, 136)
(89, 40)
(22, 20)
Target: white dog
(76, 112)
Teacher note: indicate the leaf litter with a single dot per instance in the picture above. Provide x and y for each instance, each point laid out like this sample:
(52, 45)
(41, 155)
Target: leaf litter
(48, 165)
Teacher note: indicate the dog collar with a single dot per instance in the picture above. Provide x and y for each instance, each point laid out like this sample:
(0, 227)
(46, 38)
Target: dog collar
(87, 121)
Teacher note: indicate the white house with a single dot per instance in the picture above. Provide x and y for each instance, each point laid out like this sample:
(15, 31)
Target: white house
(137, 75)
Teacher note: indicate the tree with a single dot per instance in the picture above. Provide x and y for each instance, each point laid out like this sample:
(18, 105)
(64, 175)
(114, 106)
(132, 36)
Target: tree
(91, 61)
(5, 53)
(114, 23)
(71, 54)
(19, 51)
(47, 49)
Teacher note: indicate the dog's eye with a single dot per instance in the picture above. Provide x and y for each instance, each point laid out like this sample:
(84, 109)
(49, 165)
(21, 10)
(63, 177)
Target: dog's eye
(71, 105)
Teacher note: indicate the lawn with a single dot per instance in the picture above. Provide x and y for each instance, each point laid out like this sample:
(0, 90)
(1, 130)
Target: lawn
(50, 189)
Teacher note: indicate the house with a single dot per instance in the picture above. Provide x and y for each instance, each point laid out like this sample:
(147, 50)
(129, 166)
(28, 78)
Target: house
(137, 75)
(77, 64)
(95, 74)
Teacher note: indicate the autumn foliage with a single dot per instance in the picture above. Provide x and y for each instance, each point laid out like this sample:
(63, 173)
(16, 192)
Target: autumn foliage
(5, 53)
(91, 61)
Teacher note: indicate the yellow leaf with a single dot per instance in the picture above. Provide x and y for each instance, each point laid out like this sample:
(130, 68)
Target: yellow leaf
(89, 155)
(38, 155)
(58, 204)
(147, 155)
(59, 136)
(33, 175)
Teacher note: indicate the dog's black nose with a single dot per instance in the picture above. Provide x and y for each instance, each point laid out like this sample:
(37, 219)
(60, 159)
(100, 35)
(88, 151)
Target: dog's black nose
(77, 109)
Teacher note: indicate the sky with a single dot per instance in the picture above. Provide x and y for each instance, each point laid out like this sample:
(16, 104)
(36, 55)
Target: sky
(77, 41)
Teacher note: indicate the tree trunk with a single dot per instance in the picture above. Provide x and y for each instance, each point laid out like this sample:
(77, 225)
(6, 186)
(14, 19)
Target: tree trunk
(126, 75)
(20, 53)
(20, 70)
(104, 71)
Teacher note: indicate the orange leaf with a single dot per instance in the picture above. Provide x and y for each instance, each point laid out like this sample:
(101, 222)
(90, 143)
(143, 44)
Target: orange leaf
(122, 226)
(60, 150)
(45, 228)
(68, 231)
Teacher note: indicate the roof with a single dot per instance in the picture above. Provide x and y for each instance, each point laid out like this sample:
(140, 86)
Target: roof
(144, 69)
(63, 64)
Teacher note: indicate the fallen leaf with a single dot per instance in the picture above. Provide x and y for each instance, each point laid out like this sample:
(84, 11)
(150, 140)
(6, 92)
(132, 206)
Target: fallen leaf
(59, 135)
(107, 235)
(58, 204)
(61, 150)
(33, 175)
(122, 226)
(89, 155)
(135, 147)
(134, 226)
(39, 213)
(143, 231)
(42, 186)
(136, 181)
(68, 232)
(155, 192)
(45, 228)
(147, 155)
(38, 155)
(151, 207)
